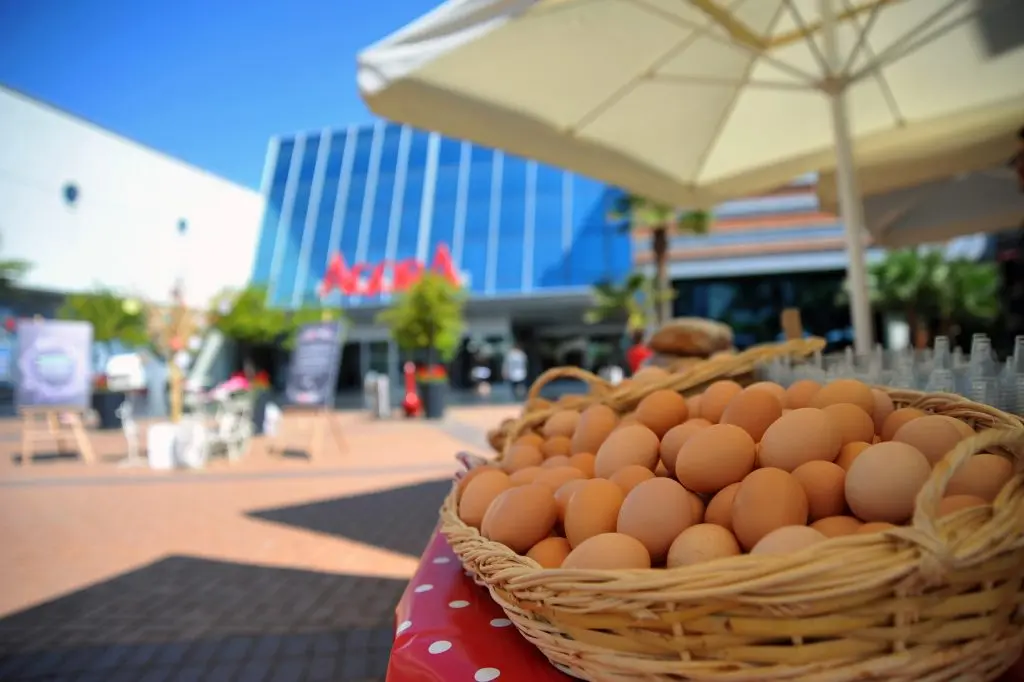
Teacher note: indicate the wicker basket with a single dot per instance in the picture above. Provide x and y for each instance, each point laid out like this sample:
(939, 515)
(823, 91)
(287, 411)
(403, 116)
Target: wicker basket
(694, 379)
(940, 599)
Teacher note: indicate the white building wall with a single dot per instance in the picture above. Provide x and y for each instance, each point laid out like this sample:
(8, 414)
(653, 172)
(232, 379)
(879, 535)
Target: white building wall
(122, 232)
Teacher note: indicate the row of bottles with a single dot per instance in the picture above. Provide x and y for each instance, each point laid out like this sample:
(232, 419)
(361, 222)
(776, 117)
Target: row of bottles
(978, 376)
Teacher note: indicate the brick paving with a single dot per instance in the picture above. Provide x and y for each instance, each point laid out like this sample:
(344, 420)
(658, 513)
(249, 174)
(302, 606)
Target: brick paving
(270, 569)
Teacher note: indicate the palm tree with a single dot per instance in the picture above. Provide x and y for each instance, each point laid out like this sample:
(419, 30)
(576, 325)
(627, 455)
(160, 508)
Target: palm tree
(632, 299)
(636, 212)
(966, 291)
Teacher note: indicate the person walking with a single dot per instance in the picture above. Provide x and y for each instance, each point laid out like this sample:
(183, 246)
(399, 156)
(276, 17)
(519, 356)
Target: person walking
(515, 370)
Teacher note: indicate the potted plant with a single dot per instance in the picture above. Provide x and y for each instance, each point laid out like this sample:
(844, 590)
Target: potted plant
(426, 321)
(106, 403)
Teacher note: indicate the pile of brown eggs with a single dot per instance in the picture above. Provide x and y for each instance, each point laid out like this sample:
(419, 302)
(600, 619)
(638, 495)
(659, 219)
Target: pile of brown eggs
(678, 481)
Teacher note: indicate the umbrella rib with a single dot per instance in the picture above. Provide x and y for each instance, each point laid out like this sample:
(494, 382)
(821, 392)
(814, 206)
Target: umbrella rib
(808, 78)
(883, 84)
(702, 80)
(905, 45)
(808, 36)
(862, 38)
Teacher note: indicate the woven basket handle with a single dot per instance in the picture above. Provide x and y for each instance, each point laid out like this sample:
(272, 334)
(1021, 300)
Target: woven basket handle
(926, 509)
(596, 384)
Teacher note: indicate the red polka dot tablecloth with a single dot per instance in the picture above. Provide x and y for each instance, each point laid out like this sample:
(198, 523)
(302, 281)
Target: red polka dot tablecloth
(448, 629)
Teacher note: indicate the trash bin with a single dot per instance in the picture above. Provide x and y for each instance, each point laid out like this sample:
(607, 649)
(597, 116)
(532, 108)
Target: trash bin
(370, 392)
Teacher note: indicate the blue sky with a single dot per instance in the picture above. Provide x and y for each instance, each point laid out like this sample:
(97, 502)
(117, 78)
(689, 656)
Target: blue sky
(207, 81)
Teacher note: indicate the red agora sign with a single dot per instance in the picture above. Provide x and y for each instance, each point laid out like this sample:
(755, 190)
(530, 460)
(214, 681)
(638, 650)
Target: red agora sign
(385, 277)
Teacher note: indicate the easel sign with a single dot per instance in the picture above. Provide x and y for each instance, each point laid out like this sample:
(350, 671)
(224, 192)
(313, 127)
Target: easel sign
(53, 383)
(312, 375)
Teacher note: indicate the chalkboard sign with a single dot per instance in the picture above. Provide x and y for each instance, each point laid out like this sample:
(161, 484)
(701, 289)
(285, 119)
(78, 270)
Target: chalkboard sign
(54, 364)
(314, 364)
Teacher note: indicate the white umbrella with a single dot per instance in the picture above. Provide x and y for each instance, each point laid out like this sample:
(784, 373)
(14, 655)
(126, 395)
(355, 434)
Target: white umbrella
(697, 101)
(959, 186)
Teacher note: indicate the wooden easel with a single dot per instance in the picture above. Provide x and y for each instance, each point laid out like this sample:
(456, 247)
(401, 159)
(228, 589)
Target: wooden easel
(319, 422)
(44, 423)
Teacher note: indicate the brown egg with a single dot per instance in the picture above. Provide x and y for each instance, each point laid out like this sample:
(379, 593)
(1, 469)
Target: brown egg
(595, 423)
(628, 419)
(883, 408)
(650, 375)
(788, 539)
(564, 493)
(799, 394)
(965, 430)
(521, 456)
(895, 421)
(479, 494)
(954, 503)
(608, 551)
(524, 476)
(629, 477)
(521, 517)
(561, 423)
(778, 391)
(845, 391)
(529, 438)
(715, 457)
(852, 423)
(674, 439)
(715, 399)
(932, 435)
(719, 509)
(633, 444)
(693, 406)
(824, 483)
(753, 411)
(555, 461)
(584, 461)
(883, 482)
(849, 453)
(473, 473)
(556, 447)
(767, 499)
(550, 552)
(874, 527)
(593, 509)
(983, 476)
(696, 506)
(661, 410)
(803, 435)
(655, 512)
(835, 526)
(556, 477)
(700, 543)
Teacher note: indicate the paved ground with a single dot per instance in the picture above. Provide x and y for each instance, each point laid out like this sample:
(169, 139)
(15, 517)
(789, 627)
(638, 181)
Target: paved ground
(272, 569)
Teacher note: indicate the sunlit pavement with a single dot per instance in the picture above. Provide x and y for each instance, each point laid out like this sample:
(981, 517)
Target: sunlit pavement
(271, 568)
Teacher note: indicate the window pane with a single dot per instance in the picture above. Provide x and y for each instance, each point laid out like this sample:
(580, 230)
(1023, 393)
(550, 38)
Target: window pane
(409, 227)
(272, 213)
(511, 226)
(284, 285)
(442, 224)
(478, 207)
(549, 261)
(321, 251)
(383, 199)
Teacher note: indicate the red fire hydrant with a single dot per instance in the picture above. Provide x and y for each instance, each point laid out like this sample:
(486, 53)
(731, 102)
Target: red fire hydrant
(411, 403)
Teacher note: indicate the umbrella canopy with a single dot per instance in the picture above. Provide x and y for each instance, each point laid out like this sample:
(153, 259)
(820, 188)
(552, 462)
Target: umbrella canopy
(693, 102)
(959, 186)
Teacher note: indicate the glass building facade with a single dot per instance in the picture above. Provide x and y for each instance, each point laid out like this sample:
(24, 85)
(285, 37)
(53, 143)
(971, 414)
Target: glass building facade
(385, 192)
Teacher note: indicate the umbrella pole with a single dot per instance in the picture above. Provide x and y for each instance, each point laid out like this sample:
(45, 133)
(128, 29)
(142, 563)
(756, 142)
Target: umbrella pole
(851, 206)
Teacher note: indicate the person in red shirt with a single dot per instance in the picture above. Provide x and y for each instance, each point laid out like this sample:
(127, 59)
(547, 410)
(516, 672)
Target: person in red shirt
(638, 353)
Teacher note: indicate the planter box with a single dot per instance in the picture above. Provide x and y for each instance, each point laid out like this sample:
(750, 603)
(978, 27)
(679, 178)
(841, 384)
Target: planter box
(106, 404)
(433, 395)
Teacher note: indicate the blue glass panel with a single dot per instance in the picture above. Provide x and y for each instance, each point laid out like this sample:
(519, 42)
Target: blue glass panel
(442, 225)
(549, 260)
(590, 254)
(409, 226)
(285, 284)
(383, 198)
(511, 226)
(356, 194)
(478, 209)
(418, 149)
(449, 153)
(320, 252)
(272, 213)
(364, 143)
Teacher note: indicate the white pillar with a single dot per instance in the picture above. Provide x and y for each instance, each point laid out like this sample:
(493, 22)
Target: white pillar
(851, 208)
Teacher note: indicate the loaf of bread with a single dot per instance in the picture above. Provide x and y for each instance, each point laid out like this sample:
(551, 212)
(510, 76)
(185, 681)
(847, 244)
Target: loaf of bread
(691, 337)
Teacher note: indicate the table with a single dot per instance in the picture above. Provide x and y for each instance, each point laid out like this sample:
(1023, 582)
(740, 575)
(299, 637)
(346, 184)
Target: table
(448, 629)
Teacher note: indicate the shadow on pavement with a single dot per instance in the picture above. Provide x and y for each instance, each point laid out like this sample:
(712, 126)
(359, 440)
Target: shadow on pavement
(184, 618)
(398, 519)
